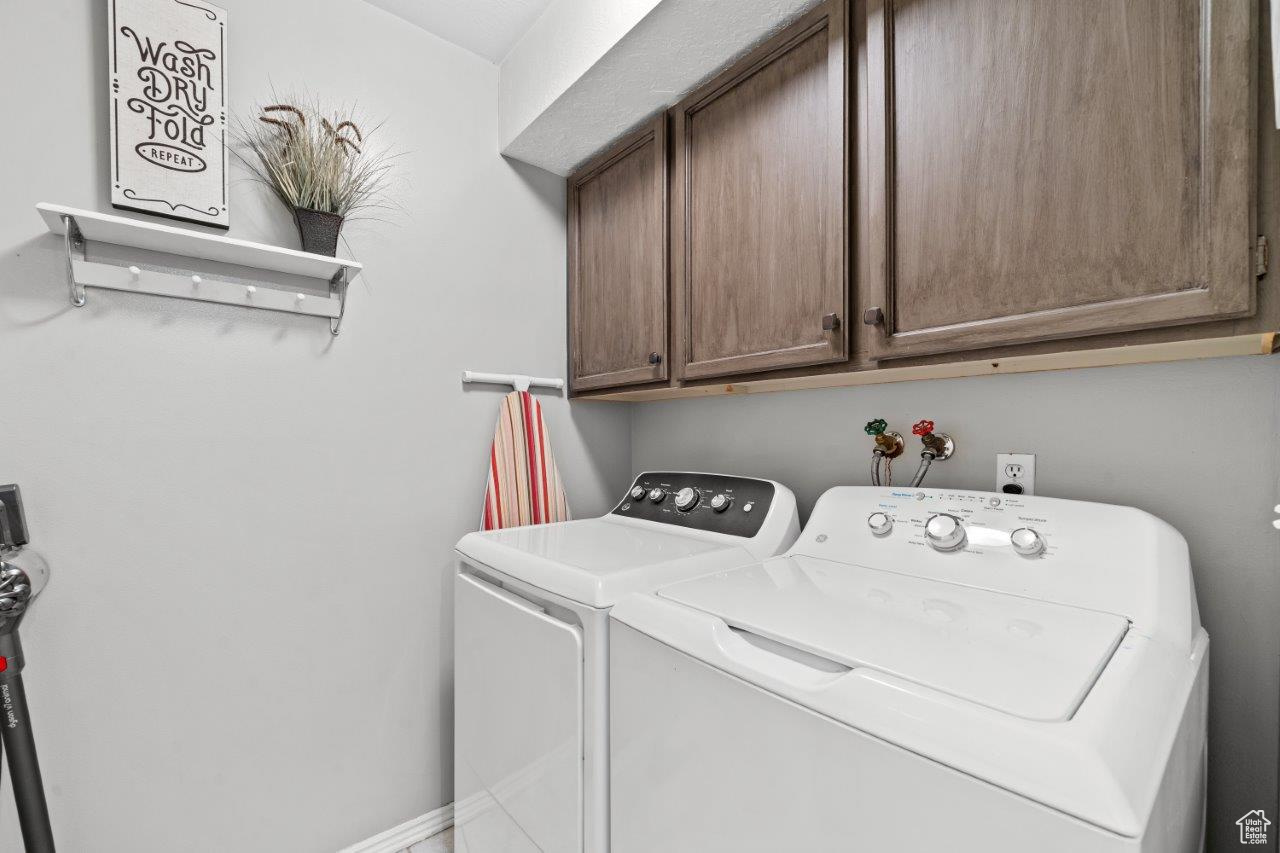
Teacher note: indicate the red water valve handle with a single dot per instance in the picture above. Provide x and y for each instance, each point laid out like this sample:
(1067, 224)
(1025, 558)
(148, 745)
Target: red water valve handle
(922, 428)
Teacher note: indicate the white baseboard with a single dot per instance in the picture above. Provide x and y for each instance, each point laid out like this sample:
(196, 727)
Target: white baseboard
(406, 834)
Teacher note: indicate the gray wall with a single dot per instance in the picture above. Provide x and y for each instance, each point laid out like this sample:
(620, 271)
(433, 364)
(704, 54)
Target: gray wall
(246, 644)
(1193, 443)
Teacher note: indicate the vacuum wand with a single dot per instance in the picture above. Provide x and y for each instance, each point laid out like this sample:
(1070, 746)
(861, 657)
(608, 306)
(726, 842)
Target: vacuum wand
(19, 742)
(23, 574)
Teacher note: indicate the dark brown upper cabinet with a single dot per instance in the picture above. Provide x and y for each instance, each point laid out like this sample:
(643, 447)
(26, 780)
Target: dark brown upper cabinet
(618, 264)
(1056, 170)
(758, 207)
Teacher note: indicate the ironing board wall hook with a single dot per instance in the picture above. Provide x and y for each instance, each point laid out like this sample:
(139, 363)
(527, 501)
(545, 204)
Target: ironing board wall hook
(73, 240)
(519, 381)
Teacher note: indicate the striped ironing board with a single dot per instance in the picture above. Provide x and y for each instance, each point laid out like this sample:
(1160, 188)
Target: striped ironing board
(524, 485)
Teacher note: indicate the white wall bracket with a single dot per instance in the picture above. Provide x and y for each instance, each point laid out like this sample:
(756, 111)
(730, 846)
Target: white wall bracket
(516, 380)
(79, 226)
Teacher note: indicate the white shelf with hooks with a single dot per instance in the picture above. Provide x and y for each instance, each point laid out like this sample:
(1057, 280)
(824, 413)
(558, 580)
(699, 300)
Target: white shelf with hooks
(78, 226)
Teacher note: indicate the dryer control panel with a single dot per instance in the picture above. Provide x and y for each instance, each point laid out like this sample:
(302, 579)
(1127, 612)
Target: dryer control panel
(716, 503)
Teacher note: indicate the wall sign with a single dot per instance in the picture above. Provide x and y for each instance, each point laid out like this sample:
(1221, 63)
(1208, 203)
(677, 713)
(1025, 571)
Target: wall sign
(169, 109)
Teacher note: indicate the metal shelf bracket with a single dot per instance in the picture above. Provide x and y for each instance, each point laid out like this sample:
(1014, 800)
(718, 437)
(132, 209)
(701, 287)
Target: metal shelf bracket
(73, 240)
(338, 287)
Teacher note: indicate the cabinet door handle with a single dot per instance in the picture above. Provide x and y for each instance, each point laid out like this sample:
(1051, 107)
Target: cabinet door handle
(830, 322)
(873, 316)
(655, 358)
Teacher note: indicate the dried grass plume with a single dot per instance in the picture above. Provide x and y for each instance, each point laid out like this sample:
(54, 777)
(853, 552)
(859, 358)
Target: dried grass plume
(315, 159)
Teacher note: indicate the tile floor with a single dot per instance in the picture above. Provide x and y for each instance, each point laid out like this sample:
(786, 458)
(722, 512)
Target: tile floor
(442, 843)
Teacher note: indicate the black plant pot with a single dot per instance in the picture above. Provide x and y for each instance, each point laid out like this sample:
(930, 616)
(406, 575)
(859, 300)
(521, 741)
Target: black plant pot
(319, 230)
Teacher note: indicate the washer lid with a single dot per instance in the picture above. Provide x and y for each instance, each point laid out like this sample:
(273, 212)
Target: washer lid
(1029, 658)
(596, 561)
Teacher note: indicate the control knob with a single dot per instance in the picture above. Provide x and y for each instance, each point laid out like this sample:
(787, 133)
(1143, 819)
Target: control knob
(637, 492)
(944, 532)
(721, 502)
(1027, 542)
(881, 523)
(657, 495)
(687, 498)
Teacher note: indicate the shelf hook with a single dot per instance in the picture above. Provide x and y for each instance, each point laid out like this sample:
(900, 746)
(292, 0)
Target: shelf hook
(338, 286)
(73, 239)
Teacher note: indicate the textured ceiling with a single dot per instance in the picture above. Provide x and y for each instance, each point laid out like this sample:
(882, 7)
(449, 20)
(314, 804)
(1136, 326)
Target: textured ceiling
(485, 27)
(675, 46)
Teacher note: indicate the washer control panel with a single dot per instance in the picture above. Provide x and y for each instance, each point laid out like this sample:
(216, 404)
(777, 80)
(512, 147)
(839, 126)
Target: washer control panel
(950, 521)
(717, 503)
(1104, 557)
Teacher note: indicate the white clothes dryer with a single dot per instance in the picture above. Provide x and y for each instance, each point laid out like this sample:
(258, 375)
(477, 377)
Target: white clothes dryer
(531, 647)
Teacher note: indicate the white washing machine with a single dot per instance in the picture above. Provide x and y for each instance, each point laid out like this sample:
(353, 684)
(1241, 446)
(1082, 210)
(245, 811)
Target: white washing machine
(924, 670)
(531, 647)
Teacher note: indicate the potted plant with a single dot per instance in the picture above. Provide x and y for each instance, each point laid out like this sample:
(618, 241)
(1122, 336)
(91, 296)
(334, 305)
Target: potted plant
(319, 165)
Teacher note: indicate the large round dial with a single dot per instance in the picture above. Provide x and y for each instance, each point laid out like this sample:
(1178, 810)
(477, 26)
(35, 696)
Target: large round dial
(1027, 542)
(637, 493)
(721, 502)
(944, 532)
(687, 498)
(881, 523)
(657, 495)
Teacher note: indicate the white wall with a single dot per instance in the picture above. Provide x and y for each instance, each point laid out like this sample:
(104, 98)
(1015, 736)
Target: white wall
(246, 644)
(1192, 442)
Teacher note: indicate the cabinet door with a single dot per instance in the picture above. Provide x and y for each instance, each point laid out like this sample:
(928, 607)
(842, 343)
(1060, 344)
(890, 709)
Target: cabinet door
(759, 206)
(618, 265)
(1054, 170)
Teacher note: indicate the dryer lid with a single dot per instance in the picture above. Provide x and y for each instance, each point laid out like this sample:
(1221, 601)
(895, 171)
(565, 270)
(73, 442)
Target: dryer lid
(1029, 658)
(597, 561)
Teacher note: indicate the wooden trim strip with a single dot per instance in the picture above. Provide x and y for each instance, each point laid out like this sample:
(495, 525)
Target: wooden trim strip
(1265, 343)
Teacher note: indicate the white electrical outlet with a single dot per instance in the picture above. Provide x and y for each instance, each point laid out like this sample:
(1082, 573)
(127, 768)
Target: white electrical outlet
(1016, 473)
